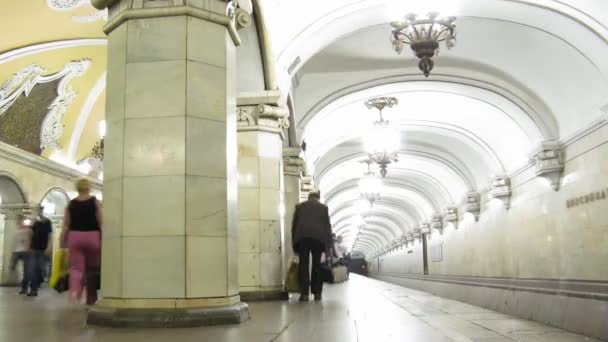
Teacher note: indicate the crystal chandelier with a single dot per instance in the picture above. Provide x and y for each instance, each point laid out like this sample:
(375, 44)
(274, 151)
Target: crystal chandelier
(424, 36)
(383, 141)
(369, 185)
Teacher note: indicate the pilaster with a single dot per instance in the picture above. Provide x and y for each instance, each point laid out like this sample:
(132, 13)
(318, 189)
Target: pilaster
(261, 119)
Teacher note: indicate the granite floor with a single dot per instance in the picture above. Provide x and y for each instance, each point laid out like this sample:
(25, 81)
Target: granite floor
(359, 310)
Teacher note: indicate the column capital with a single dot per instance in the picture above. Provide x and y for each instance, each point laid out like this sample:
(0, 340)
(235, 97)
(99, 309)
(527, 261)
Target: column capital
(262, 111)
(220, 12)
(293, 163)
(548, 162)
(500, 188)
(472, 204)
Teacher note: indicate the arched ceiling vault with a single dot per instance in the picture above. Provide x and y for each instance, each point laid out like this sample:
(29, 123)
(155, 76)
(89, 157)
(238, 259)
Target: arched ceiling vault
(522, 73)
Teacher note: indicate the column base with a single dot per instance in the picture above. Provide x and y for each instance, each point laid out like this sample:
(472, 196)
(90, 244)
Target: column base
(261, 295)
(168, 317)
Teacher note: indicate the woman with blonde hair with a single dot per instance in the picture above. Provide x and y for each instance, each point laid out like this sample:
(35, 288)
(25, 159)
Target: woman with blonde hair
(82, 229)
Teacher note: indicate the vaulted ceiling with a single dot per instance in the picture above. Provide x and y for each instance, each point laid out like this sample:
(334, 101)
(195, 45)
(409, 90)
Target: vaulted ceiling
(522, 72)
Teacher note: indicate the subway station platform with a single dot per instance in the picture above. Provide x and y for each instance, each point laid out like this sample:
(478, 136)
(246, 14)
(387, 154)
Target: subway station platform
(359, 310)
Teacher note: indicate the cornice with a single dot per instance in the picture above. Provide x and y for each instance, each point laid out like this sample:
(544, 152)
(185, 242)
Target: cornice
(42, 164)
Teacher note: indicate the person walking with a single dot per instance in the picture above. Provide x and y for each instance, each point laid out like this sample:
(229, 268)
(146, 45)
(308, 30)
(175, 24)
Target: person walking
(82, 231)
(21, 251)
(311, 234)
(41, 247)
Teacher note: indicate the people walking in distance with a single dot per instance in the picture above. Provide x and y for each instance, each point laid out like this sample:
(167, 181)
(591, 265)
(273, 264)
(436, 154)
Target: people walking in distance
(82, 231)
(21, 251)
(311, 234)
(41, 248)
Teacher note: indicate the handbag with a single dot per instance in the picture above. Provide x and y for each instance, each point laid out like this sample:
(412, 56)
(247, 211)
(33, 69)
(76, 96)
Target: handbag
(327, 274)
(62, 284)
(292, 283)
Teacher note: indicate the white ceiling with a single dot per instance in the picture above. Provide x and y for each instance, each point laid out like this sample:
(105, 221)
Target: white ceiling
(522, 72)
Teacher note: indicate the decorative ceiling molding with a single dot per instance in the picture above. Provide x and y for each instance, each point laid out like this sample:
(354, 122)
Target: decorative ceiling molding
(39, 48)
(68, 5)
(26, 79)
(92, 98)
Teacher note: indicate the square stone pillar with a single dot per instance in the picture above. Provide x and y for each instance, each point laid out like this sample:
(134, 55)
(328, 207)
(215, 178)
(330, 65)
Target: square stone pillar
(170, 248)
(261, 120)
(293, 166)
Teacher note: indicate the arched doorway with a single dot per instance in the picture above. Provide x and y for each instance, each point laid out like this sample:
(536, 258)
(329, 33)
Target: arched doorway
(12, 204)
(54, 203)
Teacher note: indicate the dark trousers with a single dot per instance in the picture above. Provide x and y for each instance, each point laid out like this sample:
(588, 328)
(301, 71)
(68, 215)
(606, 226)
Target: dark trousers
(34, 270)
(305, 248)
(25, 258)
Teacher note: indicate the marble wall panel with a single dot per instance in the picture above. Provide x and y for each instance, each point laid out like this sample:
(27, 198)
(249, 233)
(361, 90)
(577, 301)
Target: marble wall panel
(155, 147)
(156, 89)
(114, 147)
(116, 75)
(206, 91)
(207, 266)
(154, 267)
(206, 208)
(113, 208)
(206, 148)
(145, 35)
(154, 206)
(213, 35)
(111, 273)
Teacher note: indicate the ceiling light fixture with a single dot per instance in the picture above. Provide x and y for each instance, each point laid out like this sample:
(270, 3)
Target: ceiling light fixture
(370, 185)
(423, 36)
(383, 141)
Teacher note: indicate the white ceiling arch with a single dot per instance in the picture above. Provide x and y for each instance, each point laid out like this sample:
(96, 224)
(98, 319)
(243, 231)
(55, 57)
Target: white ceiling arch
(404, 197)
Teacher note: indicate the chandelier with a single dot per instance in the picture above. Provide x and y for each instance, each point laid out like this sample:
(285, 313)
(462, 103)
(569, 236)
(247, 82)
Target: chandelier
(93, 163)
(383, 141)
(423, 36)
(369, 185)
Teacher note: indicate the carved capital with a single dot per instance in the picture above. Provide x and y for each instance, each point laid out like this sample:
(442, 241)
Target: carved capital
(268, 117)
(500, 189)
(472, 204)
(451, 215)
(293, 163)
(548, 162)
(437, 223)
(307, 185)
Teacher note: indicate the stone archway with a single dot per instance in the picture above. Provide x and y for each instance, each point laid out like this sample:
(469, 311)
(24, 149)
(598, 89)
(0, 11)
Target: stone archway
(54, 203)
(13, 202)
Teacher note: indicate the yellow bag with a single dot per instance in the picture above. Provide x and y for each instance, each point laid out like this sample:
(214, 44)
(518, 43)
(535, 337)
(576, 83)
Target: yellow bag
(292, 283)
(60, 266)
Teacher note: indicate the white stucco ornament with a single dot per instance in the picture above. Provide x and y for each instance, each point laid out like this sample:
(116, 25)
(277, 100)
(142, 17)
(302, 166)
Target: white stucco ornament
(68, 5)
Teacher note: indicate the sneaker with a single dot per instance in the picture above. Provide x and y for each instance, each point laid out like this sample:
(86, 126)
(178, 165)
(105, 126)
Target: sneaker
(304, 298)
(23, 292)
(33, 294)
(318, 297)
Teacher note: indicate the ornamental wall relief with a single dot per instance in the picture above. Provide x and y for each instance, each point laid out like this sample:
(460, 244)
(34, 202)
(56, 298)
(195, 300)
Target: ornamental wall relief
(24, 81)
(67, 5)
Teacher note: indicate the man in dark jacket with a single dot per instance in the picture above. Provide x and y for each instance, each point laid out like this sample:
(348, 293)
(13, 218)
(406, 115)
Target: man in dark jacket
(311, 234)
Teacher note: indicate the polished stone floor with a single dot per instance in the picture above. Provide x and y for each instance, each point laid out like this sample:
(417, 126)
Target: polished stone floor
(360, 310)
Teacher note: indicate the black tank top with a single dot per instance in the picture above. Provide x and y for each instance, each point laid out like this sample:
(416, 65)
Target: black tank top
(83, 215)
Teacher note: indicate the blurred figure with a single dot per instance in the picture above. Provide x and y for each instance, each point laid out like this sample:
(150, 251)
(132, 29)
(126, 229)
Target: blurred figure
(83, 220)
(41, 248)
(311, 234)
(21, 251)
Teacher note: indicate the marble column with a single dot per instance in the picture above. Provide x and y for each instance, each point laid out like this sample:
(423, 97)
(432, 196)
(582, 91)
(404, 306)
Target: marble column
(293, 165)
(170, 247)
(261, 120)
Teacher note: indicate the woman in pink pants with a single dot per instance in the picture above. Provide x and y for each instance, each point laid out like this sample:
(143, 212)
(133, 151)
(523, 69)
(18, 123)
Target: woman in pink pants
(82, 228)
